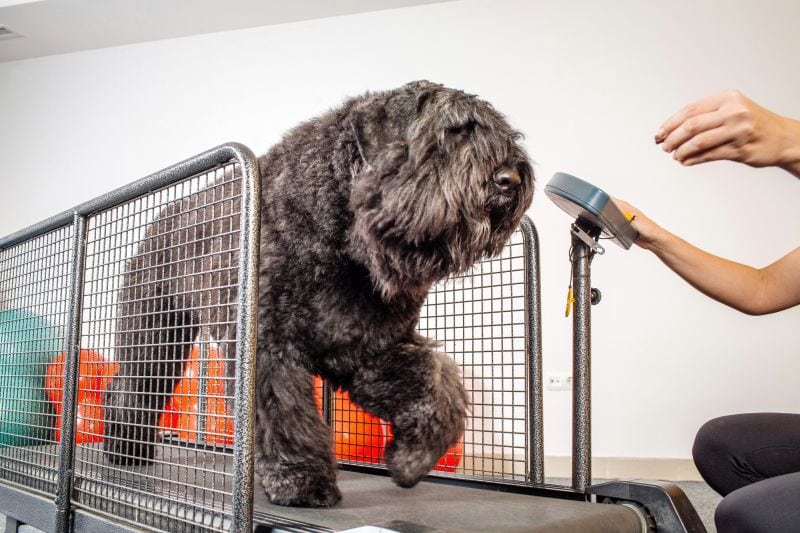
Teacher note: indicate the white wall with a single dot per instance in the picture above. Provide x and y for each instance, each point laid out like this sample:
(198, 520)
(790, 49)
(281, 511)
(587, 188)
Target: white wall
(588, 82)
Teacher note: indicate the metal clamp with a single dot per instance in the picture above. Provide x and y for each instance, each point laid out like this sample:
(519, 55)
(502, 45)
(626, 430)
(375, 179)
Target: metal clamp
(593, 245)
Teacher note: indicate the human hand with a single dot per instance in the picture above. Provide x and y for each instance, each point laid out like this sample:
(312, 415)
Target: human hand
(650, 233)
(730, 126)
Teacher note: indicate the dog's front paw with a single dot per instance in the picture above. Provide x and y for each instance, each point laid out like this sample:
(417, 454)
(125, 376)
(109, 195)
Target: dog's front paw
(408, 463)
(301, 487)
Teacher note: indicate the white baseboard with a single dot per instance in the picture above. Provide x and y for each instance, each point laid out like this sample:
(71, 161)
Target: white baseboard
(627, 468)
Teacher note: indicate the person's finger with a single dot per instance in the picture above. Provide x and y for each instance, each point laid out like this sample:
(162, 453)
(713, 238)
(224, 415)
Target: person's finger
(630, 212)
(692, 127)
(623, 206)
(704, 142)
(637, 220)
(706, 105)
(720, 153)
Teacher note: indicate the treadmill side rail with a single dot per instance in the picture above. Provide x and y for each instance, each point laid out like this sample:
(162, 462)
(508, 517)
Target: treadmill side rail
(664, 501)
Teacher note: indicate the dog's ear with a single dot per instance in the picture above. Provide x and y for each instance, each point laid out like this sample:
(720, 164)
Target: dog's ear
(381, 124)
(369, 123)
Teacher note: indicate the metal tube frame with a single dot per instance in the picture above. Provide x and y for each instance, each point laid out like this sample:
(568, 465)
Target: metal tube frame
(66, 451)
(533, 330)
(242, 496)
(242, 510)
(246, 341)
(158, 180)
(581, 257)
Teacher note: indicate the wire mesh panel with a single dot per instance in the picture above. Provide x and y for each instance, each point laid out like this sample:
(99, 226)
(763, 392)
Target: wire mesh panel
(480, 319)
(155, 394)
(34, 308)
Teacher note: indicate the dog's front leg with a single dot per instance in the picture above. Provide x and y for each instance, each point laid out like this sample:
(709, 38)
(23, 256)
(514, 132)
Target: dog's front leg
(294, 454)
(418, 390)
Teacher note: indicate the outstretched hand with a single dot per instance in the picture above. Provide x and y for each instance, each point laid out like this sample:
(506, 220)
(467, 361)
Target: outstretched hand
(649, 231)
(730, 126)
(753, 291)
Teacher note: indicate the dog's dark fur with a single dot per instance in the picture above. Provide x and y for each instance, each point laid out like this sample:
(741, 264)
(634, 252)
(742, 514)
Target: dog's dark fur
(363, 208)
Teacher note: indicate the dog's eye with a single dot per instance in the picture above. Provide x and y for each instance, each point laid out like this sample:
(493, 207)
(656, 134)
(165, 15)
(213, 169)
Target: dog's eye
(462, 131)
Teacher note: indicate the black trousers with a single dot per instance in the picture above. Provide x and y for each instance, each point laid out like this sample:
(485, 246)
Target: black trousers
(753, 461)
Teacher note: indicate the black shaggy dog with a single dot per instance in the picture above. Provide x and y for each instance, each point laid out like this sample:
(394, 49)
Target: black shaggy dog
(363, 209)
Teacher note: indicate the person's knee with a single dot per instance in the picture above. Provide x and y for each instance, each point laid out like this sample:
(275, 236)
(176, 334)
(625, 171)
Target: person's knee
(763, 507)
(733, 515)
(710, 442)
(712, 435)
(739, 513)
(712, 453)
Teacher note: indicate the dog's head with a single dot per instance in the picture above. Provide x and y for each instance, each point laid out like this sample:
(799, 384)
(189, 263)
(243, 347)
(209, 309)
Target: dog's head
(442, 182)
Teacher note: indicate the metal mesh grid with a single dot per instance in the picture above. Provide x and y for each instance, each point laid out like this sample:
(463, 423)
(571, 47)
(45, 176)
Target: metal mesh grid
(34, 308)
(172, 255)
(480, 319)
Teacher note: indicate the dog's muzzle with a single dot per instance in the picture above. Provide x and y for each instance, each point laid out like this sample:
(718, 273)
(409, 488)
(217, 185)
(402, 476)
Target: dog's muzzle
(507, 180)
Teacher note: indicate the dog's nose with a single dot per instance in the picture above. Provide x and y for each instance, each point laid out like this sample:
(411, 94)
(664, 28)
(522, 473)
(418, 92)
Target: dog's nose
(507, 180)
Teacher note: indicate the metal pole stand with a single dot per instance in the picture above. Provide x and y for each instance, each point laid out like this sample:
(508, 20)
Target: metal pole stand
(584, 246)
(661, 505)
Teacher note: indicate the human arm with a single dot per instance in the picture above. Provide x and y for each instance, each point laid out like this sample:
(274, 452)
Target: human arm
(730, 126)
(755, 291)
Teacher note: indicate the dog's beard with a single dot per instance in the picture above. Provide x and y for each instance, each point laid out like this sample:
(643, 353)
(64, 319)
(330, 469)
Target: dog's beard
(410, 236)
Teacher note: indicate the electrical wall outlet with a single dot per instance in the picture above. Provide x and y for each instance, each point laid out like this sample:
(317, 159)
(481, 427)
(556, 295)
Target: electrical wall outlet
(558, 381)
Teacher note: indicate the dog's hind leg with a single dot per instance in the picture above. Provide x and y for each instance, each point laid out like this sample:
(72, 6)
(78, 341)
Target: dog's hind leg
(294, 454)
(418, 390)
(153, 341)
